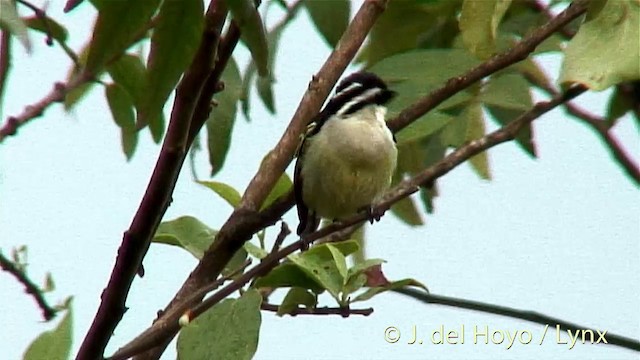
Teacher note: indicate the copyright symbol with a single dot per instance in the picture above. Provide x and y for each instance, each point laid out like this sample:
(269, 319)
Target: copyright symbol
(391, 334)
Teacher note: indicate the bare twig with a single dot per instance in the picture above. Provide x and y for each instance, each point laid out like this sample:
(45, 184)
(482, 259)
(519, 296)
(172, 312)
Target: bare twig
(344, 312)
(612, 339)
(30, 287)
(284, 232)
(137, 238)
(599, 125)
(167, 325)
(57, 94)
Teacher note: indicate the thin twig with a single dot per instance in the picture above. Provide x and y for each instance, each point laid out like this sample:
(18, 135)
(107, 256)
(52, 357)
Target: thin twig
(611, 339)
(42, 15)
(344, 312)
(284, 232)
(31, 288)
(599, 125)
(137, 238)
(518, 52)
(167, 325)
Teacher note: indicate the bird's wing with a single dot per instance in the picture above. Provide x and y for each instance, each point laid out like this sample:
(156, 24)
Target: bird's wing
(306, 217)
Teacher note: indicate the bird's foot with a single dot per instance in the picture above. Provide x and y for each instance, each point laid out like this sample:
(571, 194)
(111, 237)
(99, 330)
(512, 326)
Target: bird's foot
(373, 213)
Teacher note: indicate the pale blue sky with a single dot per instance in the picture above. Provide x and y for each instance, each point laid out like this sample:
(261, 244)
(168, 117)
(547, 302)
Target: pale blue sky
(557, 235)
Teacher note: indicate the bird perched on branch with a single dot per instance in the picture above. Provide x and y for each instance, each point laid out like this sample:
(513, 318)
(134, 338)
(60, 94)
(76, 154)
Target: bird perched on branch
(348, 155)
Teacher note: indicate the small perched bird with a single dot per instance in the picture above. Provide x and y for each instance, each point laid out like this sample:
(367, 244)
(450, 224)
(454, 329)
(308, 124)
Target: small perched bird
(348, 155)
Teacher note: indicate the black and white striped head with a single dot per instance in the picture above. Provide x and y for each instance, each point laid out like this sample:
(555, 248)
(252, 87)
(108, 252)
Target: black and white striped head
(357, 91)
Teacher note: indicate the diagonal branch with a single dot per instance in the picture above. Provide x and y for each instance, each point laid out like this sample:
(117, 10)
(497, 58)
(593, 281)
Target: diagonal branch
(517, 53)
(30, 287)
(612, 339)
(241, 224)
(167, 325)
(344, 312)
(137, 238)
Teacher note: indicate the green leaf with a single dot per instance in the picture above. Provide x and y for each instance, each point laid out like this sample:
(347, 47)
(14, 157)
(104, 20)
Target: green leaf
(475, 129)
(255, 251)
(253, 33)
(118, 24)
(121, 106)
(424, 127)
(358, 236)
(52, 27)
(186, 232)
(393, 285)
(289, 275)
(331, 18)
(237, 260)
(222, 117)
(407, 211)
(605, 50)
(618, 106)
(129, 72)
(509, 91)
(297, 296)
(54, 344)
(11, 22)
(281, 188)
(227, 192)
(174, 43)
(361, 267)
(264, 85)
(524, 138)
(122, 110)
(326, 265)
(229, 330)
(479, 22)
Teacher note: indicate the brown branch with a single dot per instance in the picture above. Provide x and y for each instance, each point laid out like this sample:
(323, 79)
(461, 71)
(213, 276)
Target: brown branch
(242, 222)
(284, 232)
(344, 312)
(137, 238)
(612, 339)
(71, 4)
(517, 53)
(599, 125)
(167, 325)
(30, 287)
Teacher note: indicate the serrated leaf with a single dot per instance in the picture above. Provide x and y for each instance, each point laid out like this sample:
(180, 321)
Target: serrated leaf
(229, 330)
(186, 232)
(255, 251)
(289, 275)
(226, 192)
(222, 117)
(118, 23)
(47, 26)
(509, 91)
(282, 187)
(393, 285)
(330, 18)
(605, 50)
(174, 43)
(11, 22)
(407, 211)
(54, 344)
(479, 22)
(253, 33)
(296, 296)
